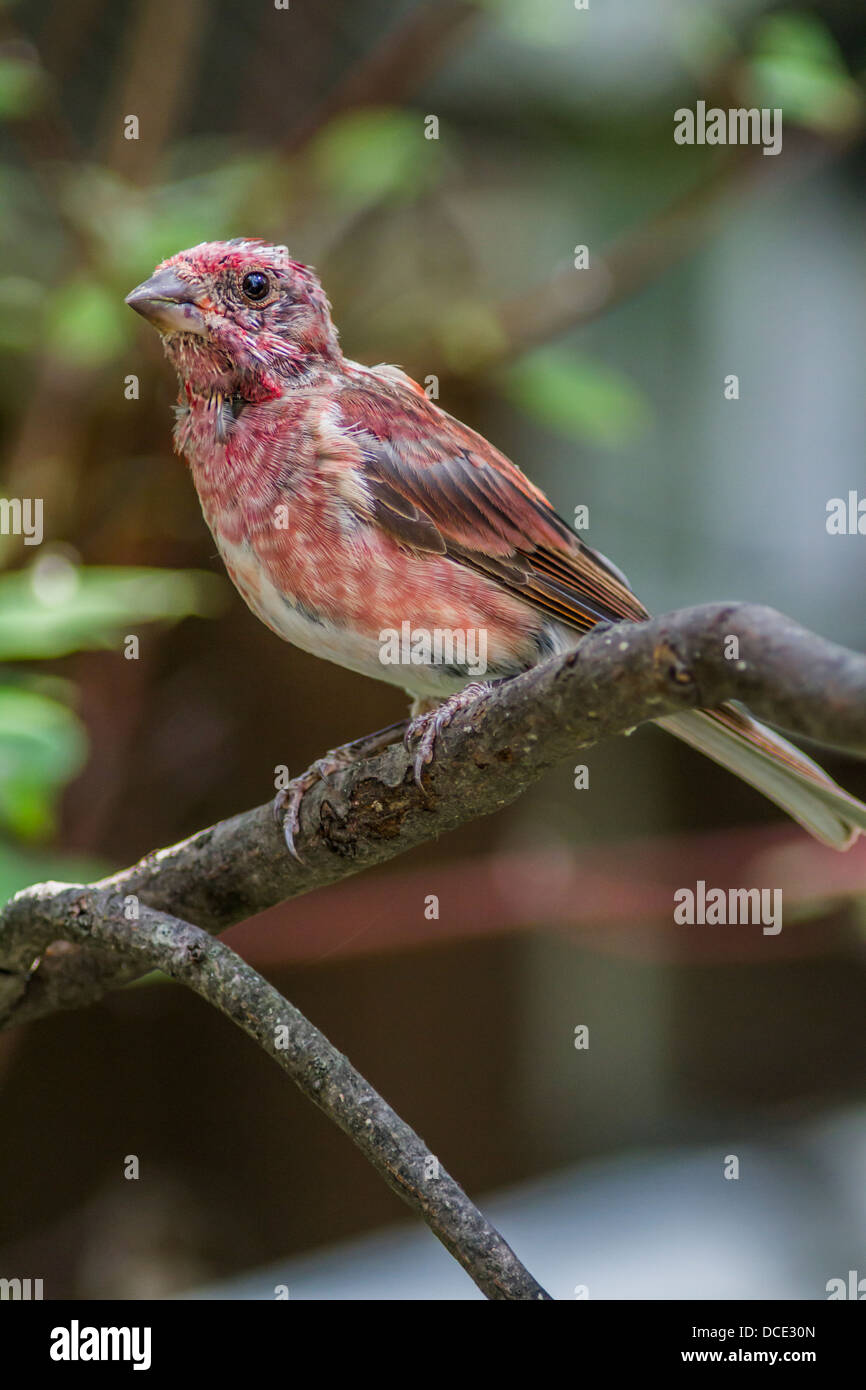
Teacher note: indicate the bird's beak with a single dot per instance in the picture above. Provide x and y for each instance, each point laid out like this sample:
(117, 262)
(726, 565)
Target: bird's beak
(168, 303)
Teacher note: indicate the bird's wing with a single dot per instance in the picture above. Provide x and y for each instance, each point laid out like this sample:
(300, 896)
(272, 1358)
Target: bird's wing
(437, 486)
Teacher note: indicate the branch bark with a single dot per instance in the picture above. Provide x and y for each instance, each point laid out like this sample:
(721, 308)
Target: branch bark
(155, 940)
(618, 677)
(64, 945)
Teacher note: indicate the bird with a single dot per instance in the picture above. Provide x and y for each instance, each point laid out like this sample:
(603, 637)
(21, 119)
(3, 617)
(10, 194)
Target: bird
(345, 503)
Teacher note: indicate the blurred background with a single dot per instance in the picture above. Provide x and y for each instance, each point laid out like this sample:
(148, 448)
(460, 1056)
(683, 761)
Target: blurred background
(454, 257)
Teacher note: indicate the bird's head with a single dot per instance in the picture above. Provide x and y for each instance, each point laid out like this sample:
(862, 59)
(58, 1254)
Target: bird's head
(237, 316)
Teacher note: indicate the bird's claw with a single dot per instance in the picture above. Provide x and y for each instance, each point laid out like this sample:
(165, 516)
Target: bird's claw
(287, 802)
(425, 728)
(287, 809)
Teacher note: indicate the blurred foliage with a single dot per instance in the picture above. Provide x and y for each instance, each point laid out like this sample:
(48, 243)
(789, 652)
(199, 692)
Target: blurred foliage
(42, 746)
(130, 229)
(21, 304)
(581, 399)
(83, 325)
(797, 66)
(56, 607)
(369, 155)
(19, 868)
(22, 86)
(50, 610)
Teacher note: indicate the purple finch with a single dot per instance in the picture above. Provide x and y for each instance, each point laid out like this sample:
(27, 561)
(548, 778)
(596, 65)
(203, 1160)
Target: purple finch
(346, 504)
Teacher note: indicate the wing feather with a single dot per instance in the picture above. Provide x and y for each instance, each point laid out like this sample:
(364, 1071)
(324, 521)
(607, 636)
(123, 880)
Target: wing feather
(439, 487)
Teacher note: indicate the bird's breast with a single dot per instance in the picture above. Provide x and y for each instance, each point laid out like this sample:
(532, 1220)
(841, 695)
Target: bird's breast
(328, 579)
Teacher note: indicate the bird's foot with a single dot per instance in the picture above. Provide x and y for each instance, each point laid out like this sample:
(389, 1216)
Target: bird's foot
(287, 802)
(427, 724)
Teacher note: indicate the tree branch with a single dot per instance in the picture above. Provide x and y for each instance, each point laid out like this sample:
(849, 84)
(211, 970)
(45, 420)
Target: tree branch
(62, 945)
(154, 940)
(637, 258)
(618, 677)
(393, 68)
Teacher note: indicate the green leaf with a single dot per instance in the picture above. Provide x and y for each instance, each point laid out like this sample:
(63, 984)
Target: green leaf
(369, 154)
(42, 746)
(538, 25)
(55, 608)
(19, 868)
(22, 85)
(85, 323)
(581, 399)
(797, 66)
(134, 229)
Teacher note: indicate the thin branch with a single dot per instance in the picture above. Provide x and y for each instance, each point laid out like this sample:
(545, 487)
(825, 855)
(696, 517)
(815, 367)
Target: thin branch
(190, 956)
(618, 677)
(392, 69)
(568, 299)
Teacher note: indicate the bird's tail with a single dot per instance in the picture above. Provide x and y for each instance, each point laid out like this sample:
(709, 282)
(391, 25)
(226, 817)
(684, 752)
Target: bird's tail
(775, 767)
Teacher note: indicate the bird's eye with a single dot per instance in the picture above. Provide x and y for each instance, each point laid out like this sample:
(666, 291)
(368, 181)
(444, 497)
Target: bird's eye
(255, 284)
